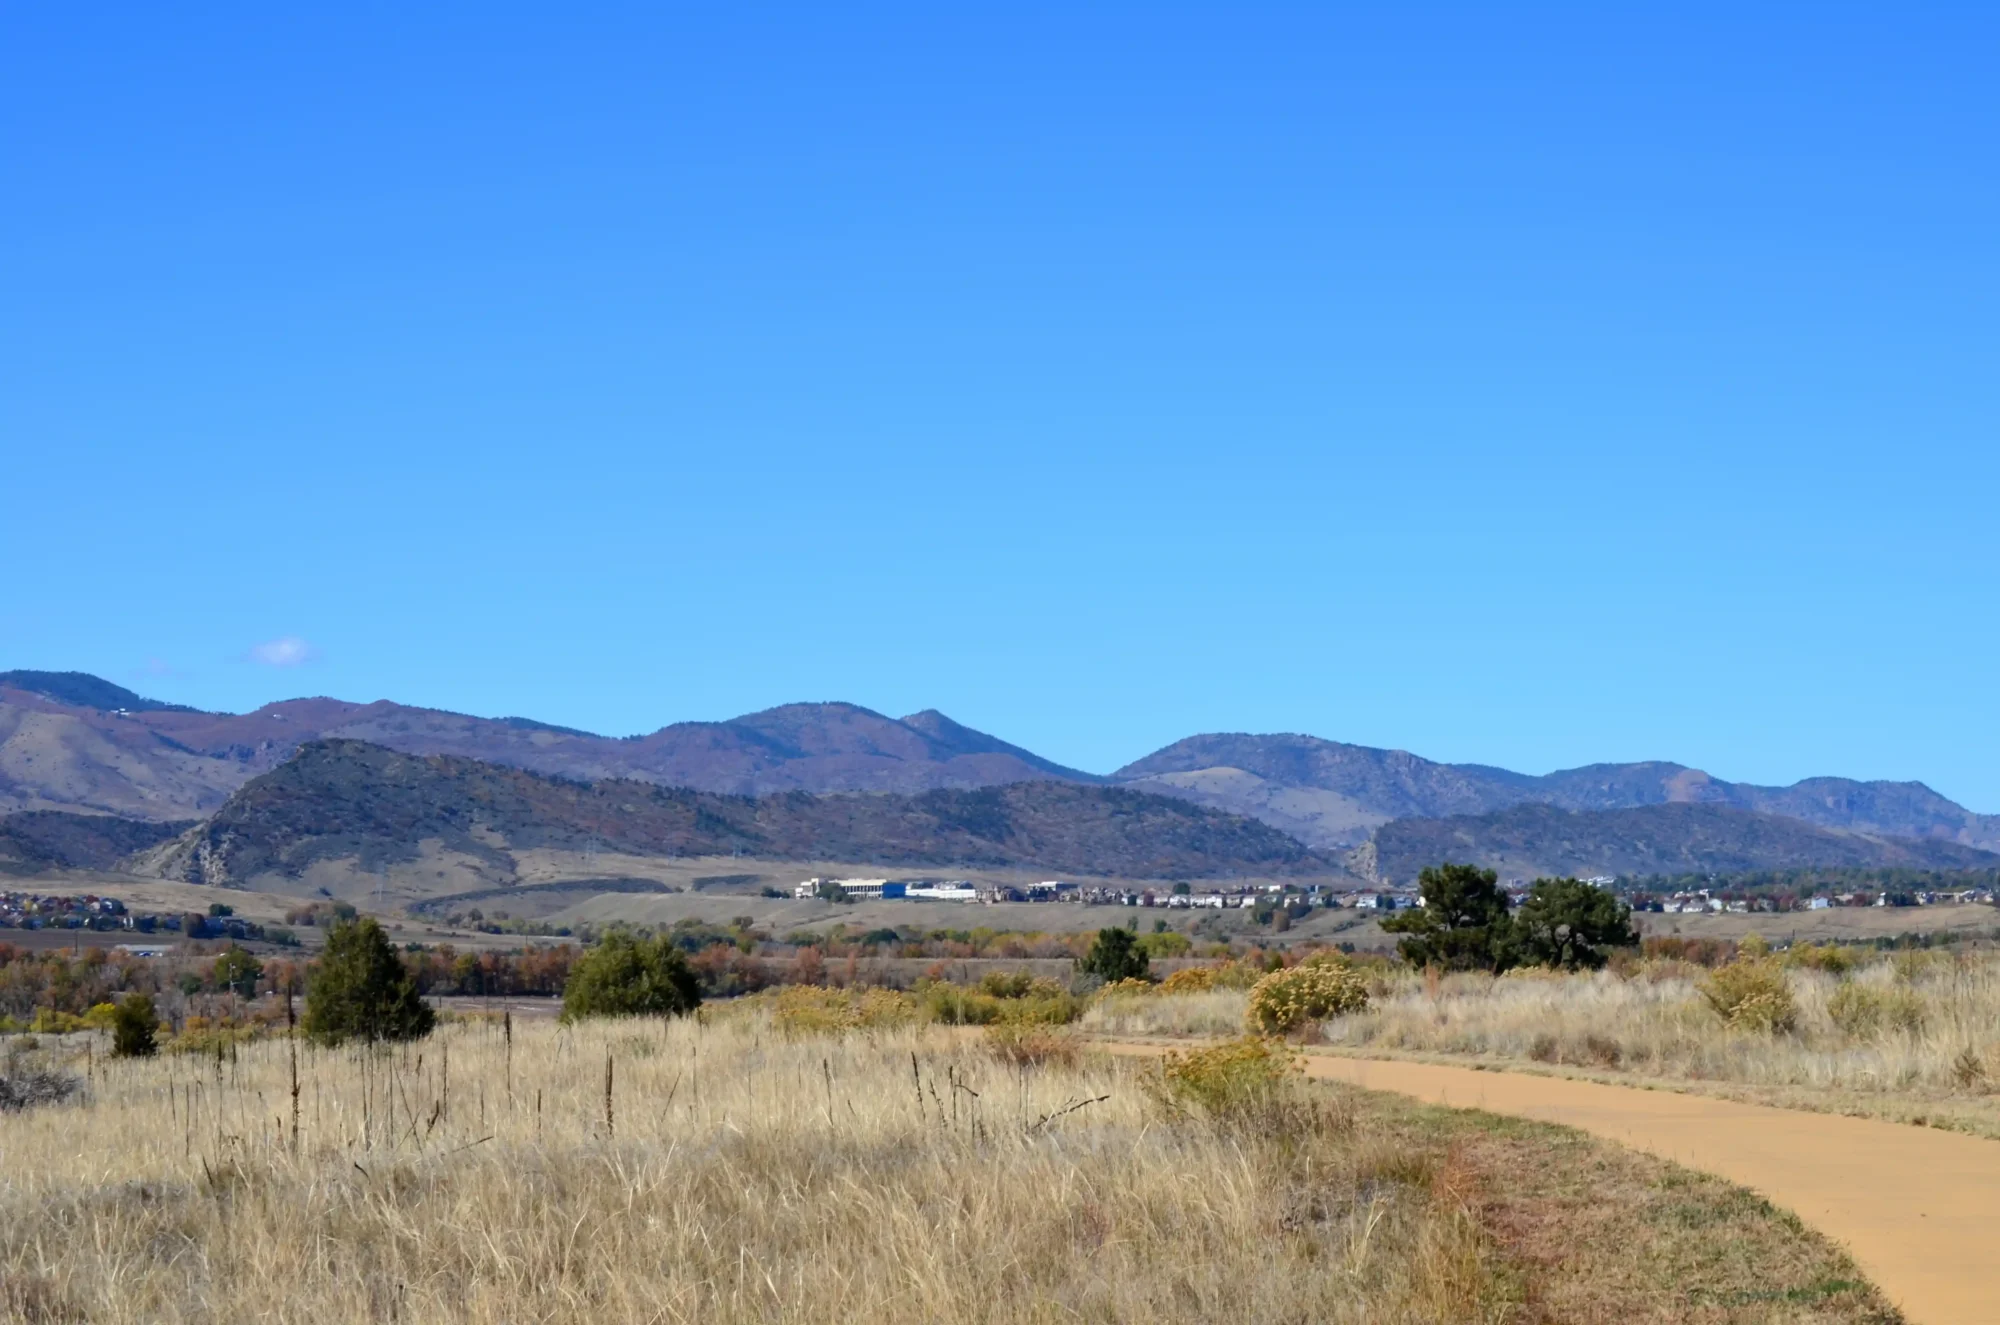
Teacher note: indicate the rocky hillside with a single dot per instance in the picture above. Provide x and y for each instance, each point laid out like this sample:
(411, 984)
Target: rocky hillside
(35, 840)
(1526, 841)
(372, 808)
(1329, 794)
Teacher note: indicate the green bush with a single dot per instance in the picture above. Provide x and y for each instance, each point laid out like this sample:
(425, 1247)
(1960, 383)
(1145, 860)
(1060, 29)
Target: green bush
(1752, 994)
(1166, 943)
(134, 1028)
(1116, 955)
(1315, 990)
(238, 972)
(628, 977)
(1038, 1002)
(361, 990)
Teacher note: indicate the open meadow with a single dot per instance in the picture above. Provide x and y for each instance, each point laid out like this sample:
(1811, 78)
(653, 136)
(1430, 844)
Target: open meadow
(1912, 1036)
(822, 1156)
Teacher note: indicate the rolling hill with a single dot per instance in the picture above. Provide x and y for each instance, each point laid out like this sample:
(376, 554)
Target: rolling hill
(1530, 840)
(1331, 795)
(367, 808)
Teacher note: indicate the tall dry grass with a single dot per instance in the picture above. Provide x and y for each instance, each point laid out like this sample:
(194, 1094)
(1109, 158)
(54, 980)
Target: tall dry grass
(1913, 1035)
(703, 1171)
(1936, 1026)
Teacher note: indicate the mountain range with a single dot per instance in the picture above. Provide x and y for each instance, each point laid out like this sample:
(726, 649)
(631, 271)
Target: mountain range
(1532, 840)
(71, 742)
(364, 809)
(1328, 794)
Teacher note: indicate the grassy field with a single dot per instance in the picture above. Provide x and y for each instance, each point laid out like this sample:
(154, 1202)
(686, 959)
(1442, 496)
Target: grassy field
(1912, 1037)
(1835, 924)
(726, 1170)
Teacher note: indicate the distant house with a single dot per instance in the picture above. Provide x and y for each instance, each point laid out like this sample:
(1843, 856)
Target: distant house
(1818, 904)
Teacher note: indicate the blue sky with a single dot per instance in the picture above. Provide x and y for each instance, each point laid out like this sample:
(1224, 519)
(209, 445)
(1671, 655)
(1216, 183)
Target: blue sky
(1534, 387)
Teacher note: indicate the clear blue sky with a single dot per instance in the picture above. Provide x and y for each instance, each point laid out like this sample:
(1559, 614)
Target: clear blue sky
(1535, 386)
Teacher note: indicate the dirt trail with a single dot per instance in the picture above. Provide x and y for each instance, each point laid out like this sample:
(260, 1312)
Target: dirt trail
(1915, 1207)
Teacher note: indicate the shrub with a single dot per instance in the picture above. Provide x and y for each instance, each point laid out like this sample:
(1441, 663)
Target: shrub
(1193, 980)
(1828, 957)
(1862, 1011)
(134, 1028)
(1284, 1001)
(1041, 1002)
(627, 977)
(1227, 1077)
(363, 991)
(1751, 994)
(800, 1010)
(1008, 984)
(1029, 1044)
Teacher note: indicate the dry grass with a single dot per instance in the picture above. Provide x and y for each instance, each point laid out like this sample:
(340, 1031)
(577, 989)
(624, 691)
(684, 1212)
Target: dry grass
(737, 1172)
(1215, 1012)
(1911, 1037)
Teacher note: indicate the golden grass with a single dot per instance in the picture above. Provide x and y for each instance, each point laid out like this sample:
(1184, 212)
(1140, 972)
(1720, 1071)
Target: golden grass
(1914, 1037)
(733, 1173)
(727, 1170)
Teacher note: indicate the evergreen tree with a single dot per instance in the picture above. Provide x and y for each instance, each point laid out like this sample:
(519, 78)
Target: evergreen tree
(362, 990)
(1567, 923)
(133, 1027)
(1462, 925)
(627, 977)
(1116, 955)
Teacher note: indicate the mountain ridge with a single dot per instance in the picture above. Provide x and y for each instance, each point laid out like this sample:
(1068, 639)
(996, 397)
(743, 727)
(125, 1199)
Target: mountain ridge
(366, 808)
(1532, 839)
(1330, 794)
(148, 760)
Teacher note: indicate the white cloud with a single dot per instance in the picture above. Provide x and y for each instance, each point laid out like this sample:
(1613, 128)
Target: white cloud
(285, 651)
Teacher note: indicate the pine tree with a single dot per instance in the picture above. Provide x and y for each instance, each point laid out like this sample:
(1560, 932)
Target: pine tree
(362, 990)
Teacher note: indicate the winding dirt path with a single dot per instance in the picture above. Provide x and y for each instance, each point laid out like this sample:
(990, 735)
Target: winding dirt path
(1918, 1209)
